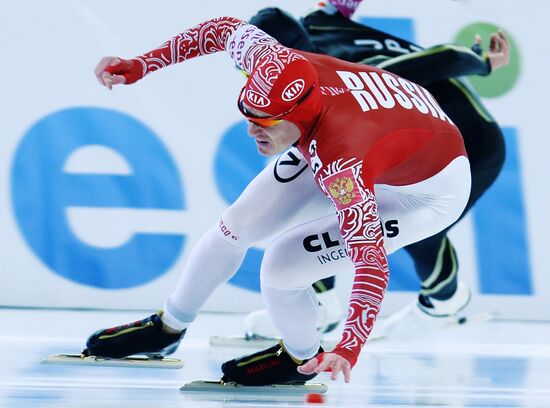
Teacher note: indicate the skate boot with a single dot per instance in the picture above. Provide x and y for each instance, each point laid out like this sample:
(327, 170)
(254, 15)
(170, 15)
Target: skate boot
(144, 337)
(267, 367)
(258, 324)
(423, 316)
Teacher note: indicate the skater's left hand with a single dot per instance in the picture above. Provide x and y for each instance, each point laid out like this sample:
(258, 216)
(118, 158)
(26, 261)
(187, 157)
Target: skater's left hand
(499, 50)
(327, 362)
(498, 53)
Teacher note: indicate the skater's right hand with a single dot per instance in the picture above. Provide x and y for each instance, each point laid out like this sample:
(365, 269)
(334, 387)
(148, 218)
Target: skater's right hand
(113, 71)
(331, 362)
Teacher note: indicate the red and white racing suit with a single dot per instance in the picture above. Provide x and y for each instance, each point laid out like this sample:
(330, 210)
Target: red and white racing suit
(381, 149)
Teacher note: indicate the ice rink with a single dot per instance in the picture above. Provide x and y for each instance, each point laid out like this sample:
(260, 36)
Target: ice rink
(490, 364)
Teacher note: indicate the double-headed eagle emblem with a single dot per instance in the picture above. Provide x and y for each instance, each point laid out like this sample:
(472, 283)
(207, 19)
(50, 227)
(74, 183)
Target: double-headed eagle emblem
(342, 189)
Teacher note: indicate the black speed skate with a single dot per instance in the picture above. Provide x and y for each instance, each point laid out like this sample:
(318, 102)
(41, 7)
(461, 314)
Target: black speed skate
(267, 367)
(141, 337)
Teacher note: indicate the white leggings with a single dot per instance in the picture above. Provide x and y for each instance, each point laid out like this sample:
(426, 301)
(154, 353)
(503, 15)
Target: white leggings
(284, 202)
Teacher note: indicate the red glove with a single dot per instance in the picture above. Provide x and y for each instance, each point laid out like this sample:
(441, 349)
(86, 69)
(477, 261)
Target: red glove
(113, 71)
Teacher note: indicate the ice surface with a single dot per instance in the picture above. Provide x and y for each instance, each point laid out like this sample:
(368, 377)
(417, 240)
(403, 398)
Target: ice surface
(491, 364)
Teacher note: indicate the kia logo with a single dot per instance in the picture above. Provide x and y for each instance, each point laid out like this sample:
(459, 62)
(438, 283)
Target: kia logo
(256, 99)
(293, 90)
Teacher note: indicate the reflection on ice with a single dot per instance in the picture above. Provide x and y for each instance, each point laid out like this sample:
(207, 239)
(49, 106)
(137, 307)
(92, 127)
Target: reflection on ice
(495, 364)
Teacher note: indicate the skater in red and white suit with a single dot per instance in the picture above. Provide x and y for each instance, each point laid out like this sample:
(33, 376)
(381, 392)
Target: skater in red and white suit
(378, 146)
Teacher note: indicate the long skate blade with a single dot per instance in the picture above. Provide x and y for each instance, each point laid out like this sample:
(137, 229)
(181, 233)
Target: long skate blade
(329, 344)
(231, 387)
(257, 342)
(136, 361)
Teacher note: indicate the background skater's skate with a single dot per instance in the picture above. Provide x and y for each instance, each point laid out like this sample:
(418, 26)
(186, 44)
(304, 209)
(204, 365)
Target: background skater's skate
(427, 315)
(143, 343)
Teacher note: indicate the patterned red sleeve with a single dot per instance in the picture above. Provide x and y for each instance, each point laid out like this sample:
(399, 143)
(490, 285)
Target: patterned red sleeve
(360, 227)
(206, 38)
(245, 43)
